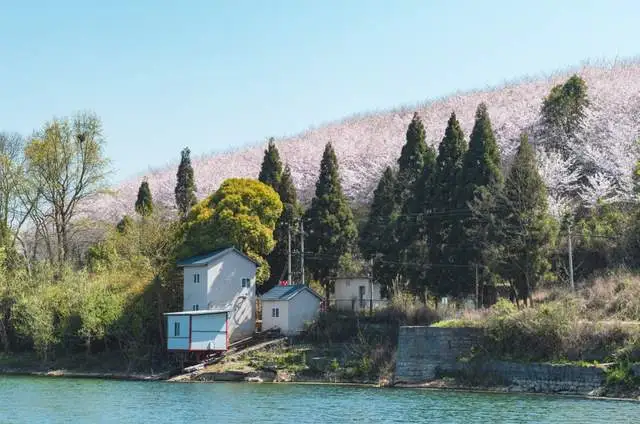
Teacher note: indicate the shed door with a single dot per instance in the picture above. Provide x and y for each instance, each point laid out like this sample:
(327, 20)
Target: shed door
(209, 332)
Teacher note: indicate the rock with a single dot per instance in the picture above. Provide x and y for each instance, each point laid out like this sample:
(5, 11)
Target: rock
(283, 377)
(223, 376)
(255, 379)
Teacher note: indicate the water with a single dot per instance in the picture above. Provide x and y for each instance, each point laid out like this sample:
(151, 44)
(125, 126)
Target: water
(54, 400)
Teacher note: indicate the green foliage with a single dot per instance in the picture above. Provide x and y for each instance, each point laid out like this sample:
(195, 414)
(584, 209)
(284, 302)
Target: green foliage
(289, 220)
(144, 201)
(242, 213)
(563, 111)
(329, 221)
(271, 169)
(411, 160)
(519, 230)
(185, 185)
(375, 237)
(65, 164)
(124, 224)
(445, 236)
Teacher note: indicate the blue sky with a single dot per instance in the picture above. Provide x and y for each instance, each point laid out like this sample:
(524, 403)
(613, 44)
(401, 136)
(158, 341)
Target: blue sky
(215, 75)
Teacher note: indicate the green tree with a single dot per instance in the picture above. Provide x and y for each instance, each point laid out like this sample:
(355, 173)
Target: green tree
(124, 224)
(329, 220)
(144, 201)
(563, 112)
(185, 190)
(411, 160)
(520, 230)
(242, 213)
(271, 169)
(447, 209)
(481, 171)
(412, 232)
(288, 221)
(65, 161)
(374, 237)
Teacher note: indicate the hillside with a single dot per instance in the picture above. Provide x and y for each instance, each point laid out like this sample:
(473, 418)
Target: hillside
(366, 144)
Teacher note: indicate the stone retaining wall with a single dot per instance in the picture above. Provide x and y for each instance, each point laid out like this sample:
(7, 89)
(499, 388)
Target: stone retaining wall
(428, 353)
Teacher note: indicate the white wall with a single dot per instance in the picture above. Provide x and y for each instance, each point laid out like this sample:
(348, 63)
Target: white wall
(303, 307)
(224, 282)
(282, 322)
(347, 289)
(194, 293)
(208, 332)
(181, 341)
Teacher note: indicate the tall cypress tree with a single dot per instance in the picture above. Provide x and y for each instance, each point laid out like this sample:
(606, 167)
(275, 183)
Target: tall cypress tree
(288, 221)
(481, 172)
(185, 185)
(447, 203)
(271, 170)
(144, 202)
(373, 239)
(522, 229)
(411, 160)
(329, 221)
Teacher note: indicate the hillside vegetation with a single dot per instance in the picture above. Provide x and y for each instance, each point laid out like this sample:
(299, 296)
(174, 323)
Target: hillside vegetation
(367, 143)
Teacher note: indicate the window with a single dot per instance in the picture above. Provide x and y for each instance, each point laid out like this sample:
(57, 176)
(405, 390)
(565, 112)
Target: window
(196, 307)
(196, 278)
(246, 282)
(275, 312)
(176, 329)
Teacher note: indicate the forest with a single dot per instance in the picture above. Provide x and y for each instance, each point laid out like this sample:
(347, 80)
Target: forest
(457, 221)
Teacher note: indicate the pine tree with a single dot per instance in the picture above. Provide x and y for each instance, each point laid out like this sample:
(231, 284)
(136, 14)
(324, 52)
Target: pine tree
(374, 237)
(329, 221)
(413, 220)
(411, 160)
(144, 202)
(447, 203)
(481, 171)
(185, 185)
(521, 229)
(271, 170)
(289, 220)
(563, 112)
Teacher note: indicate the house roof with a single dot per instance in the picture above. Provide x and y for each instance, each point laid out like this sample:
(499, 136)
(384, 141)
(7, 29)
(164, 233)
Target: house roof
(207, 258)
(202, 312)
(287, 292)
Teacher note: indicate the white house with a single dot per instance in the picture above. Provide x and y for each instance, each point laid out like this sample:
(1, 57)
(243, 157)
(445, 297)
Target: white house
(357, 293)
(221, 284)
(289, 308)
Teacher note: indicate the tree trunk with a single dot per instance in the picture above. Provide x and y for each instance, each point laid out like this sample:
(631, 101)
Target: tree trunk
(4, 336)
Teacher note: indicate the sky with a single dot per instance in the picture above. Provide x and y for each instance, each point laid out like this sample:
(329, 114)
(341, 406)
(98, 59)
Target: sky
(216, 75)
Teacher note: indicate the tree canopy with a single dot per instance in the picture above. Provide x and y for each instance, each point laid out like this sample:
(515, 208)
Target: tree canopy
(185, 191)
(242, 213)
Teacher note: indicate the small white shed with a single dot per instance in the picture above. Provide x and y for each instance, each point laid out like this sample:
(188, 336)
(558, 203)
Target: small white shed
(198, 331)
(289, 308)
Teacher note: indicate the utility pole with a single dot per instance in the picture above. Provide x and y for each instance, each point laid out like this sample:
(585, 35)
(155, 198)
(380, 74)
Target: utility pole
(289, 254)
(573, 287)
(302, 250)
(477, 289)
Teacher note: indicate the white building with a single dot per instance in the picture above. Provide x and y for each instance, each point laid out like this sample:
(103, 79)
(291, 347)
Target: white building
(221, 282)
(198, 331)
(357, 293)
(289, 308)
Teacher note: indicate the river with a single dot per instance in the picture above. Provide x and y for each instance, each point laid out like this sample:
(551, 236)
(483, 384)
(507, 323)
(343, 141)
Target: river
(59, 400)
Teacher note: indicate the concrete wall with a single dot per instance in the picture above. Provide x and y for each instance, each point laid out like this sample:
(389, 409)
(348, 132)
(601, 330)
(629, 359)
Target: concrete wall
(427, 353)
(423, 351)
(303, 307)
